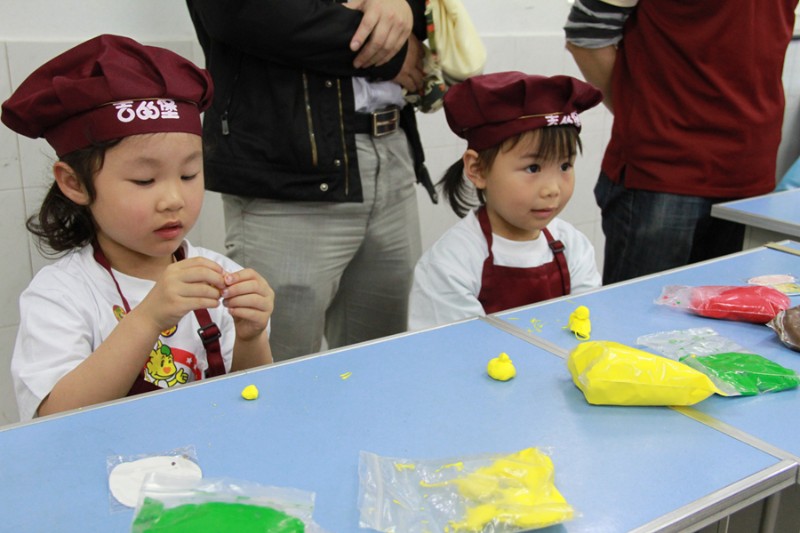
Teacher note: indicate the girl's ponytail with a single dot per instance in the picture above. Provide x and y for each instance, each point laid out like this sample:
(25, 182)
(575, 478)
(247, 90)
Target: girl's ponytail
(455, 188)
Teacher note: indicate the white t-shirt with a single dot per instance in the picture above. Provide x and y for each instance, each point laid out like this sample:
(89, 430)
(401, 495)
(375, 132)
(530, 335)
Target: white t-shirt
(373, 95)
(68, 310)
(447, 279)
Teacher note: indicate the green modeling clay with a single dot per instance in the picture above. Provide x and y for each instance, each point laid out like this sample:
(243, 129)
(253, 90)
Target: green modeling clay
(747, 373)
(214, 517)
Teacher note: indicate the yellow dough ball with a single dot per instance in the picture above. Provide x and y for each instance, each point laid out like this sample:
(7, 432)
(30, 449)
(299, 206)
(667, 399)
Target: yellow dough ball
(250, 392)
(501, 368)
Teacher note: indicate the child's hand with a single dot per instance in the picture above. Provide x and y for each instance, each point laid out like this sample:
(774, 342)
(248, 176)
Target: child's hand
(250, 301)
(195, 283)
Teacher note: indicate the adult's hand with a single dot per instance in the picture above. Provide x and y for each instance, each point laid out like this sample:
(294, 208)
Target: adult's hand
(383, 31)
(411, 74)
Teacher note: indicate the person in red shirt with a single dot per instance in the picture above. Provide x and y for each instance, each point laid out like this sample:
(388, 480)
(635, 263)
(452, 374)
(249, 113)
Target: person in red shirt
(697, 97)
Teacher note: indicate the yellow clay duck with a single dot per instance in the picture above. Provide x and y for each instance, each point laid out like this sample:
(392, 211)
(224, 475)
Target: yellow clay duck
(579, 323)
(501, 368)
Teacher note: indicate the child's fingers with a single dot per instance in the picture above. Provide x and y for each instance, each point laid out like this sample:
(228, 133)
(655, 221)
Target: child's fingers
(245, 274)
(250, 315)
(200, 272)
(245, 282)
(249, 301)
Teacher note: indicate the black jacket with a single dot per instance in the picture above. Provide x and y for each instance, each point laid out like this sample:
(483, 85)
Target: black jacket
(281, 125)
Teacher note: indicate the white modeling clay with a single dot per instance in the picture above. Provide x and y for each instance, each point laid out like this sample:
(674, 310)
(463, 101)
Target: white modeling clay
(771, 279)
(125, 479)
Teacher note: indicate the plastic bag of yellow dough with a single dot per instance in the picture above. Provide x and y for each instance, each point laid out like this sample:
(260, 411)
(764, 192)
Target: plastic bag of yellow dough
(609, 373)
(501, 493)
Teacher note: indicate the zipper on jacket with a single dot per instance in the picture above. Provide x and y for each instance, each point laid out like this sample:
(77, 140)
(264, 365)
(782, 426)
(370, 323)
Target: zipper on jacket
(344, 142)
(226, 130)
(311, 135)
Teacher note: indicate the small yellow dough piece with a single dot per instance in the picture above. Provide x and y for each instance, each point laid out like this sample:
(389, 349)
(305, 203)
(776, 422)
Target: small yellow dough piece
(250, 392)
(501, 368)
(579, 323)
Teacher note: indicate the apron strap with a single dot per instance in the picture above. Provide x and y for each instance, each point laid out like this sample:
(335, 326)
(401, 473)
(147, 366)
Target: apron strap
(558, 253)
(486, 227)
(209, 333)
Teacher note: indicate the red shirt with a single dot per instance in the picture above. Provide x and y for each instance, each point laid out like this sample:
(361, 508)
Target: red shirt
(698, 96)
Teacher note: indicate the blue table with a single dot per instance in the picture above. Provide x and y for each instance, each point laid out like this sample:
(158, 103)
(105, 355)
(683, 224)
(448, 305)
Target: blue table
(771, 217)
(424, 395)
(625, 311)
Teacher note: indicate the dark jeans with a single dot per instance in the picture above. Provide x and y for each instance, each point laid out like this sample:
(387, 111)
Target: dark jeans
(648, 231)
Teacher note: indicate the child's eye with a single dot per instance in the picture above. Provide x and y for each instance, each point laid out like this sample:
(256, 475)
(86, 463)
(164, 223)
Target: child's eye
(188, 178)
(143, 182)
(566, 166)
(533, 169)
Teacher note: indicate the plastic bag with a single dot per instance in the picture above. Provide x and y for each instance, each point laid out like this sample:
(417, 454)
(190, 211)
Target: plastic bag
(750, 303)
(485, 493)
(679, 343)
(126, 473)
(179, 505)
(430, 97)
(460, 48)
(787, 326)
(609, 373)
(744, 374)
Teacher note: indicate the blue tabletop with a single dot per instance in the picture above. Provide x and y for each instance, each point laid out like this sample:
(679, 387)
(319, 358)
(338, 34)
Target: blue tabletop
(774, 212)
(420, 396)
(623, 312)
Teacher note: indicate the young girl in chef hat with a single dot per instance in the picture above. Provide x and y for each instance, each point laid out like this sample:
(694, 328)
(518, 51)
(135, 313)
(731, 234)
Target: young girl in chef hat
(512, 250)
(131, 306)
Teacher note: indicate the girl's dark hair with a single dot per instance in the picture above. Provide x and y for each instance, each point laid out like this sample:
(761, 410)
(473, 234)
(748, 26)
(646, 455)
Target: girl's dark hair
(556, 142)
(61, 224)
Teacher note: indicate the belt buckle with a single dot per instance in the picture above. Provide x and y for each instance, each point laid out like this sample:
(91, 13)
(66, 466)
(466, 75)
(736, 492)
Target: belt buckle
(385, 121)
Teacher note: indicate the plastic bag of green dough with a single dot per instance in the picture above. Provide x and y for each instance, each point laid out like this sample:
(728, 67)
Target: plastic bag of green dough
(177, 504)
(744, 374)
(610, 373)
(498, 493)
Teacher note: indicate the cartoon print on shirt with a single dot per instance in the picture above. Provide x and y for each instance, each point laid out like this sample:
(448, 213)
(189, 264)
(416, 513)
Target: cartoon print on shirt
(161, 369)
(168, 366)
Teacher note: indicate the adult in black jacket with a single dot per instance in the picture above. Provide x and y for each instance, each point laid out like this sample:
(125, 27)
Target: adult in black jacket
(316, 156)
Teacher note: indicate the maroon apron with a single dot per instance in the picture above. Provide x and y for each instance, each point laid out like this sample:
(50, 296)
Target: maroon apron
(504, 287)
(209, 332)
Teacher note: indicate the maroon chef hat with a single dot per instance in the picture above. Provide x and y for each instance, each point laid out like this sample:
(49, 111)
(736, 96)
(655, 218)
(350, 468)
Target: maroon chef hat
(107, 88)
(486, 110)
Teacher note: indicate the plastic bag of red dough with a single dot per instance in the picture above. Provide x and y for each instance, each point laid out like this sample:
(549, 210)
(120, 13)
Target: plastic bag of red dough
(749, 303)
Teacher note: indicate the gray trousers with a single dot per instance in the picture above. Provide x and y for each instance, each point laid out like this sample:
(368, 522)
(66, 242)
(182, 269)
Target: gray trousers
(342, 270)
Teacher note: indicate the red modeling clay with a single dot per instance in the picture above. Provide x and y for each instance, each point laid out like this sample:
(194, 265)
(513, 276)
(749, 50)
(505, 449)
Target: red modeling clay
(747, 304)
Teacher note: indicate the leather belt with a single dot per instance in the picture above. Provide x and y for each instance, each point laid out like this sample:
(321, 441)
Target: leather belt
(378, 123)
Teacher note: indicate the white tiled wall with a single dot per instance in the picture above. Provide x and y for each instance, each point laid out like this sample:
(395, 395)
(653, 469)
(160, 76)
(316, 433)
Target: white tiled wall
(526, 35)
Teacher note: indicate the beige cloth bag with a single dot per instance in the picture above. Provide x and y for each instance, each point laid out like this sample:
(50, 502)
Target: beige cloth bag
(460, 49)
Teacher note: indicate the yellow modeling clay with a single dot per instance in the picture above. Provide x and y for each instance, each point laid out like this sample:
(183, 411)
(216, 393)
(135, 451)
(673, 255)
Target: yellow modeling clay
(250, 392)
(501, 368)
(516, 490)
(579, 323)
(345, 375)
(609, 373)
